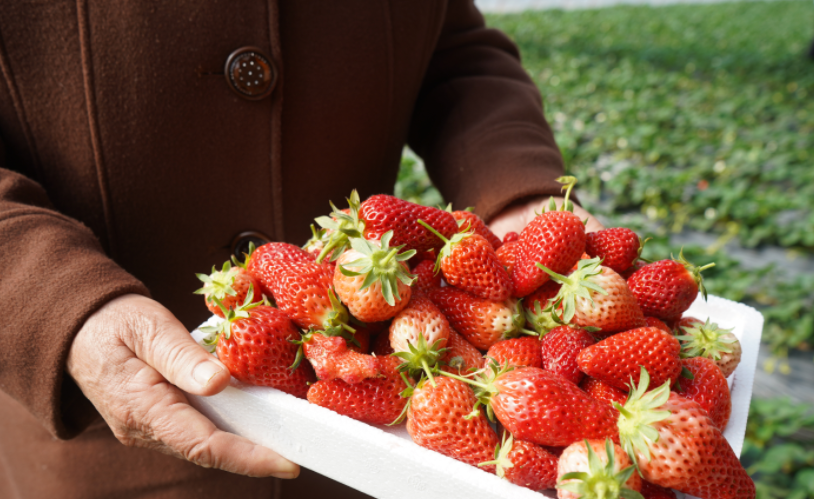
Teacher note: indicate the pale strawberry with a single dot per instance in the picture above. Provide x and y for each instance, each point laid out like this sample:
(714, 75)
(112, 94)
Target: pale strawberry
(373, 400)
(596, 296)
(440, 418)
(255, 343)
(560, 348)
(596, 469)
(710, 341)
(538, 306)
(518, 352)
(617, 359)
(618, 247)
(469, 262)
(230, 285)
(706, 386)
(524, 464)
(666, 289)
(332, 359)
(372, 279)
(469, 221)
(461, 356)
(419, 335)
(555, 239)
(482, 322)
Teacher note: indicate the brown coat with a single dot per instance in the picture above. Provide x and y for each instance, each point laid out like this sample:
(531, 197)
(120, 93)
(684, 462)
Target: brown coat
(127, 164)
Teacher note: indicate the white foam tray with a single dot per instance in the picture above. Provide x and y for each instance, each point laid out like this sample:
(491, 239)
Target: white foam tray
(374, 459)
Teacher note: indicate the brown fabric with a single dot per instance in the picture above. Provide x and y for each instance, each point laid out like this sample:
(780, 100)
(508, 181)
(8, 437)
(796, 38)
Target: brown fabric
(127, 165)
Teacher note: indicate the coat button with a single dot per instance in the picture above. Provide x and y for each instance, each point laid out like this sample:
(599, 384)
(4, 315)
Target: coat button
(240, 244)
(250, 74)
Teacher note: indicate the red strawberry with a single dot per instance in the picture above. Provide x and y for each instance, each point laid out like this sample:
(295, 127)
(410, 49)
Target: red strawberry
(469, 221)
(482, 322)
(507, 255)
(436, 420)
(373, 400)
(710, 341)
(667, 288)
(708, 388)
(555, 239)
(603, 392)
(230, 285)
(518, 352)
(418, 335)
(426, 276)
(254, 342)
(525, 464)
(461, 356)
(596, 296)
(469, 262)
(381, 345)
(261, 261)
(633, 268)
(617, 359)
(678, 446)
(332, 359)
(596, 468)
(382, 213)
(538, 306)
(653, 491)
(510, 237)
(618, 247)
(372, 279)
(560, 348)
(653, 322)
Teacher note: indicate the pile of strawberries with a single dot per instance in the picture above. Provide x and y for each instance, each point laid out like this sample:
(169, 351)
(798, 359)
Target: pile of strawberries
(595, 382)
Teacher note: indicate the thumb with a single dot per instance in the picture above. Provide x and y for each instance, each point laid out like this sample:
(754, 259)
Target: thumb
(161, 341)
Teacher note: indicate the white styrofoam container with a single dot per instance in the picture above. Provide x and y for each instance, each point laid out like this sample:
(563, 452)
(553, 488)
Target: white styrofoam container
(374, 459)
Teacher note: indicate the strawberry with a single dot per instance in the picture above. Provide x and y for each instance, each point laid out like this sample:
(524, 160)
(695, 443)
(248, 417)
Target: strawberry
(540, 407)
(518, 352)
(469, 262)
(381, 345)
(230, 285)
(372, 279)
(254, 342)
(618, 247)
(469, 221)
(301, 287)
(560, 348)
(710, 341)
(461, 356)
(507, 255)
(482, 322)
(337, 229)
(686, 321)
(596, 469)
(373, 400)
(653, 322)
(440, 418)
(603, 392)
(707, 386)
(382, 213)
(426, 277)
(617, 359)
(667, 288)
(676, 445)
(510, 236)
(524, 464)
(538, 306)
(653, 491)
(633, 268)
(556, 239)
(332, 359)
(418, 335)
(596, 296)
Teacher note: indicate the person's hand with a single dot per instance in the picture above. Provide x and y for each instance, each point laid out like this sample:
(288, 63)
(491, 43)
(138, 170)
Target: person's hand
(128, 359)
(515, 217)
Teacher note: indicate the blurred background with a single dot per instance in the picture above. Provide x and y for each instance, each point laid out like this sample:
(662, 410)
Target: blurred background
(693, 124)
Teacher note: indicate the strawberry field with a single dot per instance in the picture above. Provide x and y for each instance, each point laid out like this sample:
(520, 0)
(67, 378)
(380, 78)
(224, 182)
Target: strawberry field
(694, 125)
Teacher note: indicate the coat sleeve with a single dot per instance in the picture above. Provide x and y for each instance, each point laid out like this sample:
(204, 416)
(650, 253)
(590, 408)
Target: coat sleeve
(479, 122)
(53, 275)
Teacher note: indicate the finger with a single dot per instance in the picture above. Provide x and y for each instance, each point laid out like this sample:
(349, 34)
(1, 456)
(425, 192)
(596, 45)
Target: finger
(161, 341)
(174, 427)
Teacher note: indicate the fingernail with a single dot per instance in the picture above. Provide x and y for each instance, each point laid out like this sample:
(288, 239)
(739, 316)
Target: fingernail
(286, 476)
(205, 371)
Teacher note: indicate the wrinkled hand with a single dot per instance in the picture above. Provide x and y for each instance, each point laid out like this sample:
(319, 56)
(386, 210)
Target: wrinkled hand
(516, 217)
(128, 359)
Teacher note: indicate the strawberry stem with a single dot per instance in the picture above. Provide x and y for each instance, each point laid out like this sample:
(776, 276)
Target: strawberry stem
(429, 228)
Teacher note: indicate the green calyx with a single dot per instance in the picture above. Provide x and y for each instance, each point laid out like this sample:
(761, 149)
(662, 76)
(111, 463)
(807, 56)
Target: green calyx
(483, 385)
(218, 284)
(317, 241)
(342, 226)
(336, 322)
(381, 264)
(638, 415)
(408, 394)
(568, 185)
(694, 271)
(518, 326)
(706, 340)
(502, 461)
(541, 317)
(600, 481)
(578, 284)
(449, 244)
(224, 328)
(421, 359)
